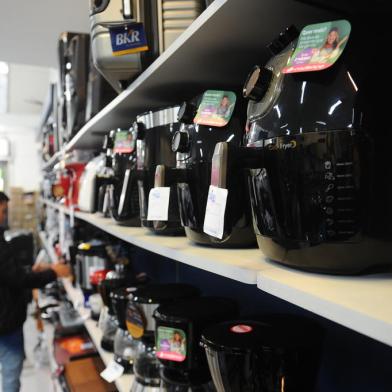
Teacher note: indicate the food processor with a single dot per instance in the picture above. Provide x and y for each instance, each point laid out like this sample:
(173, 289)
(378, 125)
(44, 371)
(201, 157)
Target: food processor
(178, 331)
(141, 325)
(125, 346)
(273, 354)
(155, 131)
(210, 118)
(317, 145)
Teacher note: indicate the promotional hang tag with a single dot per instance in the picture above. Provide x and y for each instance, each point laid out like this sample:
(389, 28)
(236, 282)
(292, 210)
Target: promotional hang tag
(319, 46)
(124, 142)
(171, 344)
(214, 220)
(128, 39)
(158, 204)
(112, 372)
(216, 108)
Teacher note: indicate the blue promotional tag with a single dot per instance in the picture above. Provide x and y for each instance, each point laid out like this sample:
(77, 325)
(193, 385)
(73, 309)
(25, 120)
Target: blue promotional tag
(128, 39)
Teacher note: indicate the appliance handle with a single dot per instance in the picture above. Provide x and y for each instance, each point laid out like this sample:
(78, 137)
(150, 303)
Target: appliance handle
(168, 176)
(228, 157)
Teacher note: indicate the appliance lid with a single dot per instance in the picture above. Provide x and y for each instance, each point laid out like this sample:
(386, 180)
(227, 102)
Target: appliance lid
(197, 310)
(159, 118)
(270, 332)
(163, 293)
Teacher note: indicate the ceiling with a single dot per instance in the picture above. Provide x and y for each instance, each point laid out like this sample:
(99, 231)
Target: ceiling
(29, 29)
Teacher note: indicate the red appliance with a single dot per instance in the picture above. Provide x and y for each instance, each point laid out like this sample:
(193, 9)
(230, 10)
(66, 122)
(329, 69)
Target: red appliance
(74, 171)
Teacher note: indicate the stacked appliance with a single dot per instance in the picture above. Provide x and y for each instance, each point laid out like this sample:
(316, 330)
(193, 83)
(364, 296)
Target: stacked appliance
(127, 35)
(202, 127)
(315, 149)
(141, 325)
(156, 163)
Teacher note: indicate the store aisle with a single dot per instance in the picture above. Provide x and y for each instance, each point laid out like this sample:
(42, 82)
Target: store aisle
(34, 378)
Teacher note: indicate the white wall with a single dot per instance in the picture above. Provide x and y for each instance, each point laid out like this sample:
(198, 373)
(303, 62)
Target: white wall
(24, 165)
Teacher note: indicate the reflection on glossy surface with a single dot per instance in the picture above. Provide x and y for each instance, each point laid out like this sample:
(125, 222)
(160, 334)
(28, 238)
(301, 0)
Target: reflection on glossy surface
(193, 193)
(322, 198)
(155, 149)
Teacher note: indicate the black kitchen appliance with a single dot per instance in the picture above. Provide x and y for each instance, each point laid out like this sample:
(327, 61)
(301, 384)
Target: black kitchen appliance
(141, 325)
(274, 354)
(107, 321)
(178, 331)
(90, 257)
(155, 131)
(203, 125)
(125, 346)
(124, 198)
(317, 150)
(74, 68)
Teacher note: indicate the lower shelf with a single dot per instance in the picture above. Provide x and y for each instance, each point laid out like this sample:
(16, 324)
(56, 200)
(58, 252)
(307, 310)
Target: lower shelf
(124, 383)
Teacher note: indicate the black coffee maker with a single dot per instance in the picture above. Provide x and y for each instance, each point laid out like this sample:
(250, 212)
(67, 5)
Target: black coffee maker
(201, 128)
(125, 346)
(318, 147)
(276, 353)
(155, 131)
(124, 198)
(178, 331)
(141, 325)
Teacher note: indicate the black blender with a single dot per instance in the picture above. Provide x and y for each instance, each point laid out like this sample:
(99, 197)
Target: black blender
(213, 117)
(141, 325)
(274, 354)
(124, 200)
(179, 326)
(318, 148)
(155, 131)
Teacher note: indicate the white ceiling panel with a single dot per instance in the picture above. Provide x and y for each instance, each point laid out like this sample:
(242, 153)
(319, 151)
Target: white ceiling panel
(29, 29)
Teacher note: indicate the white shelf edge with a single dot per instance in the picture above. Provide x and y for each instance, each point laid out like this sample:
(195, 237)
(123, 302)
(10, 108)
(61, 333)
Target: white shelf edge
(48, 248)
(359, 303)
(52, 161)
(124, 383)
(238, 264)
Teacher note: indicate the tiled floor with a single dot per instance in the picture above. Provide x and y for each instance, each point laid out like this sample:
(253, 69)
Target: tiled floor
(34, 378)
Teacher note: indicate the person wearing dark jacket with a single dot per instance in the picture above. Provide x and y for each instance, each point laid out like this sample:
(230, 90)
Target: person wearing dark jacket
(15, 284)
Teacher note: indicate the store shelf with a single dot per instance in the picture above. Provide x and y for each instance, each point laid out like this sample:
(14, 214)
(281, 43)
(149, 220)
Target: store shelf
(124, 383)
(48, 166)
(238, 264)
(216, 51)
(360, 303)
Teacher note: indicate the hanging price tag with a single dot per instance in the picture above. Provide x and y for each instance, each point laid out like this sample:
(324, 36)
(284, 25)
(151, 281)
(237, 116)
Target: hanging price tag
(158, 204)
(215, 211)
(112, 372)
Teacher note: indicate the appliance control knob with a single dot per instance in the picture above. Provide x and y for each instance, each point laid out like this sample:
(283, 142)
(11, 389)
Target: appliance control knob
(187, 113)
(284, 38)
(180, 142)
(257, 83)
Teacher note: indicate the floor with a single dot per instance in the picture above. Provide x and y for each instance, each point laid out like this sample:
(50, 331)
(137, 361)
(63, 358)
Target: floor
(36, 377)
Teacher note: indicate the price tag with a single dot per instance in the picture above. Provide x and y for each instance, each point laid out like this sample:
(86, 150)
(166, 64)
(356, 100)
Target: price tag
(158, 204)
(112, 372)
(215, 211)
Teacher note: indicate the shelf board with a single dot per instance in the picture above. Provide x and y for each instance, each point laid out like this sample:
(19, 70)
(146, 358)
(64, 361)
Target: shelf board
(218, 50)
(48, 166)
(360, 303)
(357, 302)
(124, 383)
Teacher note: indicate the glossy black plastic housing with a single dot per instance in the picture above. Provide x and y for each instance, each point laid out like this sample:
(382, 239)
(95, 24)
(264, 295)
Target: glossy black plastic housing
(155, 133)
(274, 354)
(125, 209)
(194, 186)
(322, 197)
(191, 316)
